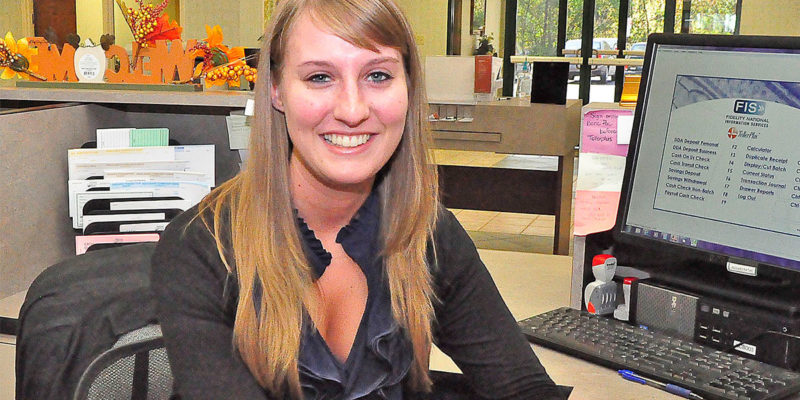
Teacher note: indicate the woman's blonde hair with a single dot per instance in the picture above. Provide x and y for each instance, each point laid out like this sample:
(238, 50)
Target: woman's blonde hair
(264, 238)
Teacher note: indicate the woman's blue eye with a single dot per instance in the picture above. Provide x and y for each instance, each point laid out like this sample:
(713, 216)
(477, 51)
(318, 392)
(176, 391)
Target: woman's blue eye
(319, 78)
(378, 77)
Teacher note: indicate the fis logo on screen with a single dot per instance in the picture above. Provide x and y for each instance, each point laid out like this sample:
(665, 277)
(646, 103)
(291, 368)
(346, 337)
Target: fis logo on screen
(750, 107)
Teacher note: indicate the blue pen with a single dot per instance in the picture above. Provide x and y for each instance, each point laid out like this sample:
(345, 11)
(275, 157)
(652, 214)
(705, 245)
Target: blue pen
(667, 387)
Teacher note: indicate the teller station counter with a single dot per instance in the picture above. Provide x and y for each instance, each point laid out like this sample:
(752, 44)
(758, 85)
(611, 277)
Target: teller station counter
(513, 126)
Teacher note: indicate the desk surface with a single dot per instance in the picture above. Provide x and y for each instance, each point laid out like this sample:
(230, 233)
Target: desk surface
(536, 283)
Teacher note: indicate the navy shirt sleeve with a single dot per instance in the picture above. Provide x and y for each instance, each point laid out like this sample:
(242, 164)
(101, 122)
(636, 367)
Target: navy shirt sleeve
(475, 328)
(189, 285)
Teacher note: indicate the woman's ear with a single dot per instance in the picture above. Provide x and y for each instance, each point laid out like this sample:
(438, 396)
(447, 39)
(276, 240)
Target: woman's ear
(275, 93)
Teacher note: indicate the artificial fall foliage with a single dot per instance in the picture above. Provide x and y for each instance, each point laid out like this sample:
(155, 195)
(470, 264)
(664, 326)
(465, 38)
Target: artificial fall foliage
(221, 64)
(16, 59)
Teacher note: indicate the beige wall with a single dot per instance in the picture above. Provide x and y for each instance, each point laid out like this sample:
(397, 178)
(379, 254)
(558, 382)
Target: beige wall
(16, 18)
(429, 21)
(494, 26)
(467, 40)
(242, 21)
(89, 19)
(770, 17)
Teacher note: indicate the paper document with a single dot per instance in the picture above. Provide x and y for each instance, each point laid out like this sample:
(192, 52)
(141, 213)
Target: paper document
(600, 172)
(81, 198)
(78, 186)
(238, 131)
(87, 170)
(192, 192)
(116, 138)
(200, 158)
(595, 211)
(149, 205)
(133, 175)
(624, 128)
(84, 163)
(144, 227)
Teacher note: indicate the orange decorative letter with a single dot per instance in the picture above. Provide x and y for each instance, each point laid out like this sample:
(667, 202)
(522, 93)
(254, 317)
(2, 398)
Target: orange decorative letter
(124, 64)
(55, 66)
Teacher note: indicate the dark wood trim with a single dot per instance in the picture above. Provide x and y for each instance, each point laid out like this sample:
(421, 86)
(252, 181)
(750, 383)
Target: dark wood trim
(622, 42)
(587, 39)
(738, 16)
(561, 39)
(454, 23)
(686, 16)
(509, 47)
(669, 16)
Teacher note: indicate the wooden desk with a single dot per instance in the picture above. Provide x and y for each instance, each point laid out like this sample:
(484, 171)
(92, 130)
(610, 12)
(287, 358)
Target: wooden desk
(514, 126)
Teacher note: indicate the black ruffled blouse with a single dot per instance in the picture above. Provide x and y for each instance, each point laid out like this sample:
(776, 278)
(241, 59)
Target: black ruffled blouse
(381, 355)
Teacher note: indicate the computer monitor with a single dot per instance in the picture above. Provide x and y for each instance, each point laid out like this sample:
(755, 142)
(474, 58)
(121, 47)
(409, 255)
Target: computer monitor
(714, 163)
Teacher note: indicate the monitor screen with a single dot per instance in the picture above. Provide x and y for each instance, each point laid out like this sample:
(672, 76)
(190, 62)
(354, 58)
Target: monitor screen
(715, 162)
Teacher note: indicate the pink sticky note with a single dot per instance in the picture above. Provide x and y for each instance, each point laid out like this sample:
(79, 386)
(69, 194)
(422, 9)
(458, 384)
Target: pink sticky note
(599, 132)
(595, 211)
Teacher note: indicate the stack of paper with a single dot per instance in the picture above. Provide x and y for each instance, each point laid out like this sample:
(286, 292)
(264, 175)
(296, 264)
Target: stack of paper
(129, 194)
(131, 137)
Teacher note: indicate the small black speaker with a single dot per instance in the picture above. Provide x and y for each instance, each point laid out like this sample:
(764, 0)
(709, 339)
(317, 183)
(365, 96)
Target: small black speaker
(549, 82)
(664, 309)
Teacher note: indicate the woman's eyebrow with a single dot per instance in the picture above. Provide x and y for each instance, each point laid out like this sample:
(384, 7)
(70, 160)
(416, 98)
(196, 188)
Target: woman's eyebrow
(381, 60)
(316, 63)
(374, 61)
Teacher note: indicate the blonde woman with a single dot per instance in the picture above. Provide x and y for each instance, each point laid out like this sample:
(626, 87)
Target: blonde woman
(327, 267)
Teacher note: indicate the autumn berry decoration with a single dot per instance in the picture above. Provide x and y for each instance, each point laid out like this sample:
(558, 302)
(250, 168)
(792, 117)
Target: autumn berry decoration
(148, 24)
(221, 64)
(16, 59)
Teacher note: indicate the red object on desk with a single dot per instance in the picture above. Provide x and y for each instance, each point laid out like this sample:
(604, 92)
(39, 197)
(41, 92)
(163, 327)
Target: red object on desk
(483, 74)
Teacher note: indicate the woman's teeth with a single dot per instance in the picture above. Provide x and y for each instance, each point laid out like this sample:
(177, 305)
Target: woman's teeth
(346, 141)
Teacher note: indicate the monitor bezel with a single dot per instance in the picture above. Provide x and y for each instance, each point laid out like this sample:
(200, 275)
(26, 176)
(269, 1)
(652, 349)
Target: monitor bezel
(659, 245)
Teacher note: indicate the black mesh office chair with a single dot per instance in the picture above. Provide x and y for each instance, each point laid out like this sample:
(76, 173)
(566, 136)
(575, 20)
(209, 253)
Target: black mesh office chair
(136, 368)
(87, 330)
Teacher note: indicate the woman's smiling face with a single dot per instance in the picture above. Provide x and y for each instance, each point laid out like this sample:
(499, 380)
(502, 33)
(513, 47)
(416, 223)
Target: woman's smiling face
(345, 106)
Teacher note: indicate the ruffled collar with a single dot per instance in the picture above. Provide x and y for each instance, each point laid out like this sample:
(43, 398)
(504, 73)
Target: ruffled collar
(358, 238)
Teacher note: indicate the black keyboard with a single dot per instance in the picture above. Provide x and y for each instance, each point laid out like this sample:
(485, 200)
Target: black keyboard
(711, 373)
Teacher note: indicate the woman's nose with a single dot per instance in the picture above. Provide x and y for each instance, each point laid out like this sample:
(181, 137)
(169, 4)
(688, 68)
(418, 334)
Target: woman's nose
(351, 107)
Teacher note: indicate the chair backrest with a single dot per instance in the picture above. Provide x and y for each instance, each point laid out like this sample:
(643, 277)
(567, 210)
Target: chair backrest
(75, 312)
(136, 368)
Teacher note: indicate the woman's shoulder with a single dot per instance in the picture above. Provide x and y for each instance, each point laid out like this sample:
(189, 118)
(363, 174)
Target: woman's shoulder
(448, 230)
(452, 247)
(190, 225)
(192, 232)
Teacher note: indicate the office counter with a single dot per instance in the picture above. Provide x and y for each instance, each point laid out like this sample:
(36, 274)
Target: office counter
(513, 126)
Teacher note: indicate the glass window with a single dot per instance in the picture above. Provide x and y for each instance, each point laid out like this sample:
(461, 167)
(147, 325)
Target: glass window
(537, 27)
(537, 35)
(712, 16)
(478, 22)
